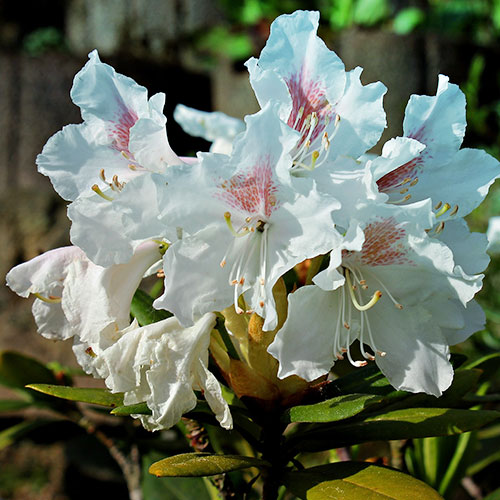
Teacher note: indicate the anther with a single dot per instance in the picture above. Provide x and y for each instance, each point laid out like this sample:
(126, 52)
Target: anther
(398, 305)
(97, 190)
(90, 352)
(346, 325)
(262, 281)
(439, 227)
(160, 273)
(101, 175)
(403, 191)
(381, 353)
(125, 155)
(443, 210)
(438, 205)
(242, 281)
(454, 211)
(234, 282)
(261, 303)
(132, 166)
(315, 156)
(222, 263)
(414, 182)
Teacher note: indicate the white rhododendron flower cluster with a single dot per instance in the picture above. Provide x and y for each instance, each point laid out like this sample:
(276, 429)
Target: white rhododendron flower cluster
(292, 183)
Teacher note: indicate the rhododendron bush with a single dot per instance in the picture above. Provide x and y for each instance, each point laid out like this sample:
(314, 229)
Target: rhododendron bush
(307, 290)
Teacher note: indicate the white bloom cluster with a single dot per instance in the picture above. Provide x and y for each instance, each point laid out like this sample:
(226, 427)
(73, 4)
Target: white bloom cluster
(289, 184)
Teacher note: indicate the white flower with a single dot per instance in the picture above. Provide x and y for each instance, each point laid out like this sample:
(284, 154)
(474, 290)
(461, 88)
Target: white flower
(333, 112)
(246, 226)
(162, 364)
(80, 300)
(427, 161)
(123, 137)
(397, 291)
(120, 133)
(216, 127)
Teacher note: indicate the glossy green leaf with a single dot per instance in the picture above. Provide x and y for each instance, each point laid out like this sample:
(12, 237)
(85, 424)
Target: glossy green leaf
(464, 381)
(356, 481)
(142, 309)
(203, 464)
(398, 424)
(94, 396)
(13, 404)
(12, 434)
(18, 370)
(366, 380)
(136, 409)
(494, 495)
(488, 364)
(175, 488)
(331, 410)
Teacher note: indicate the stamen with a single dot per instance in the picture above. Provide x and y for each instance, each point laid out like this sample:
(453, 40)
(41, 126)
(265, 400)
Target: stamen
(315, 156)
(375, 298)
(299, 116)
(90, 352)
(386, 290)
(403, 200)
(443, 210)
(439, 227)
(97, 190)
(244, 231)
(49, 300)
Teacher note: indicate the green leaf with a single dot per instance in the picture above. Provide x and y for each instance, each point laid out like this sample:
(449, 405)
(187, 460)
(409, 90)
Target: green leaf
(488, 364)
(371, 12)
(331, 410)
(407, 20)
(494, 495)
(178, 488)
(203, 464)
(356, 481)
(399, 424)
(13, 404)
(143, 311)
(94, 396)
(18, 370)
(366, 380)
(135, 409)
(463, 382)
(12, 434)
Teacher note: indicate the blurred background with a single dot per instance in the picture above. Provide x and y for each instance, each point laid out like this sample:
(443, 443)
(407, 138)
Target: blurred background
(194, 50)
